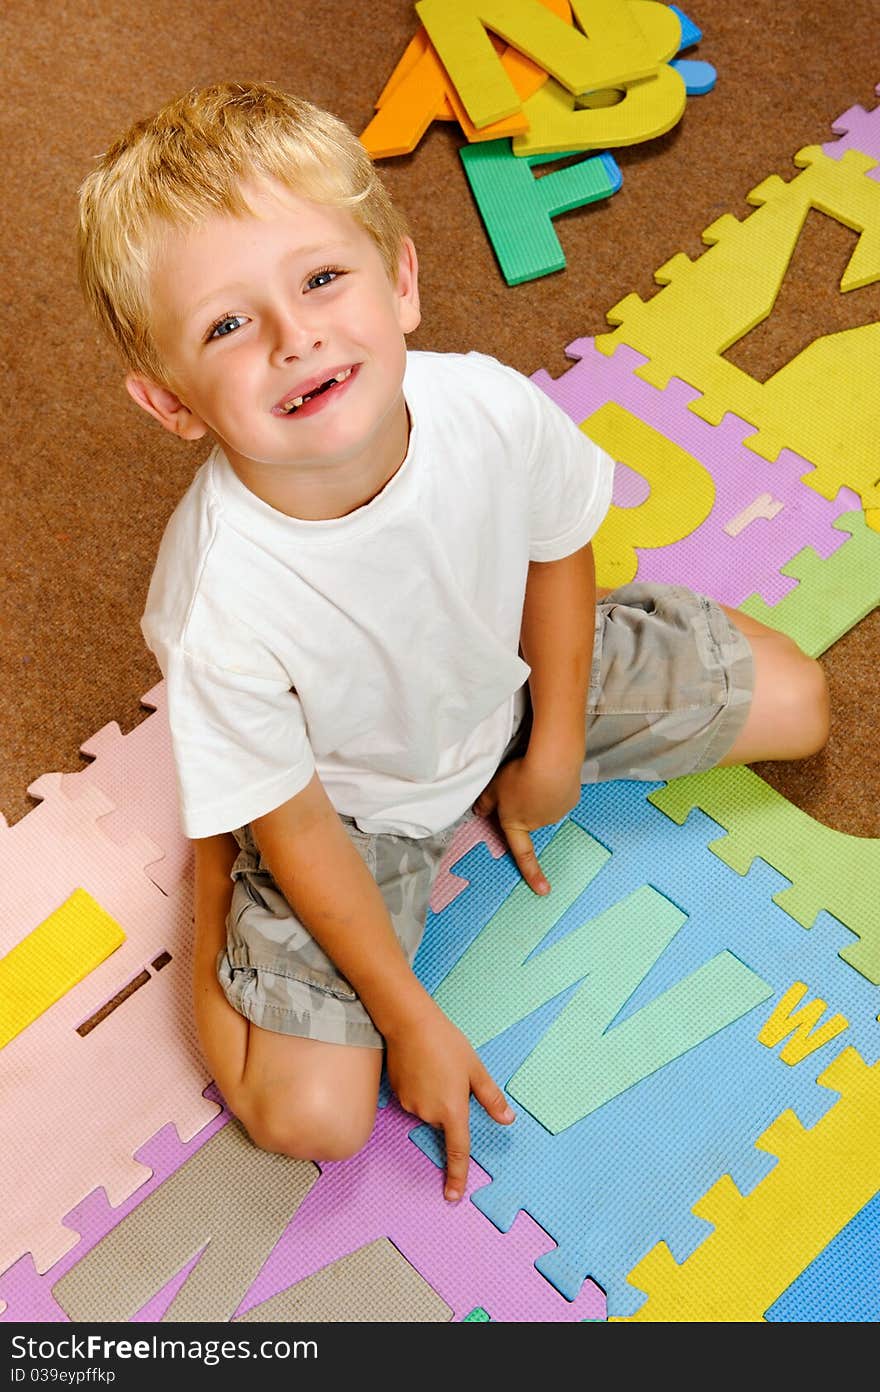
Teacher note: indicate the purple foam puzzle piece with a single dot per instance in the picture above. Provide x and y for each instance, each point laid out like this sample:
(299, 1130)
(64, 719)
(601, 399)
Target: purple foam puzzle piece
(728, 567)
(858, 129)
(392, 1190)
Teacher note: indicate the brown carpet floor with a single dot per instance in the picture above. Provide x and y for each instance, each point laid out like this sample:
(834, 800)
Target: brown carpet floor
(87, 481)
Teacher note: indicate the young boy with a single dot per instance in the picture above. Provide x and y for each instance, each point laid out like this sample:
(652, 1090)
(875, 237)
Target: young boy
(374, 609)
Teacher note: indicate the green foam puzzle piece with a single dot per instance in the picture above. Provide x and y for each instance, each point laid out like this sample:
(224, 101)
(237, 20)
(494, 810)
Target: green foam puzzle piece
(518, 209)
(762, 823)
(834, 594)
(507, 972)
(585, 1060)
(492, 985)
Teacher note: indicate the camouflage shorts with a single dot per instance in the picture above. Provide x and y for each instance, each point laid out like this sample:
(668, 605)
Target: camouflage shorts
(669, 693)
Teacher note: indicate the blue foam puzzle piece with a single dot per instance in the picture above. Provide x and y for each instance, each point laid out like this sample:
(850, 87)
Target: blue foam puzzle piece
(690, 34)
(692, 1120)
(842, 1286)
(698, 77)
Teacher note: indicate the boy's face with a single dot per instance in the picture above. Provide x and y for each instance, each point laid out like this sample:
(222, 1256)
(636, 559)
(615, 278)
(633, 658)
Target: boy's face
(252, 314)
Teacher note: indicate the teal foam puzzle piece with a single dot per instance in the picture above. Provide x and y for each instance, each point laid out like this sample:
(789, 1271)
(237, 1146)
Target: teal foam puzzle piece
(518, 209)
(834, 594)
(580, 1063)
(477, 1316)
(827, 869)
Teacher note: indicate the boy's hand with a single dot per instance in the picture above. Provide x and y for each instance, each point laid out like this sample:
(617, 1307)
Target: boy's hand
(526, 796)
(433, 1069)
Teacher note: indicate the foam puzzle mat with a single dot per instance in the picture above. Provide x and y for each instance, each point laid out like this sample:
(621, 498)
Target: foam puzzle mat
(687, 1026)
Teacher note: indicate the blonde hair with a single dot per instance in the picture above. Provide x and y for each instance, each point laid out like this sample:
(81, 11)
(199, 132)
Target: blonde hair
(188, 162)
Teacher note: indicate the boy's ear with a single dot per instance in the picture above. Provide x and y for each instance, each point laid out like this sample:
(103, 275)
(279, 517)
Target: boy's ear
(409, 312)
(167, 408)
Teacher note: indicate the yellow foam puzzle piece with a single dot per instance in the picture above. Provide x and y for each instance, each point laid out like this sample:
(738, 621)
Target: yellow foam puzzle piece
(527, 78)
(682, 492)
(817, 403)
(457, 29)
(647, 108)
(54, 956)
(763, 1241)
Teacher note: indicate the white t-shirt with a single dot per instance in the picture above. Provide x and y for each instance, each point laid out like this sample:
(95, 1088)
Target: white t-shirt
(379, 648)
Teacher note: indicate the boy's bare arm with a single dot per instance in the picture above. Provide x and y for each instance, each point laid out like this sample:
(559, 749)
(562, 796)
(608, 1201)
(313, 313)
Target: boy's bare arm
(431, 1065)
(222, 1032)
(557, 643)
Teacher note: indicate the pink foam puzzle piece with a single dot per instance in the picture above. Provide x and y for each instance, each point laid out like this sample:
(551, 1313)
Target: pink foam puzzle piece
(136, 771)
(386, 1191)
(630, 488)
(28, 1293)
(728, 567)
(858, 129)
(77, 1107)
(448, 885)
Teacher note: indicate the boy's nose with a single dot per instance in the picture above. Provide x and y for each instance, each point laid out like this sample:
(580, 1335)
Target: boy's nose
(293, 337)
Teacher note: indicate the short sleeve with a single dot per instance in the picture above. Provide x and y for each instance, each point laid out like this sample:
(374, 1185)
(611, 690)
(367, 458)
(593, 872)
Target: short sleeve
(570, 482)
(239, 741)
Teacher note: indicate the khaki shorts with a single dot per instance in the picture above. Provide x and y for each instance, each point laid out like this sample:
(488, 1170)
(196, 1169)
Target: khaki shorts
(670, 690)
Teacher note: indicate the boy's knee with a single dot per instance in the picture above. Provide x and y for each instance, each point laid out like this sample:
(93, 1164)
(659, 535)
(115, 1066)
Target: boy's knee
(818, 706)
(809, 704)
(308, 1127)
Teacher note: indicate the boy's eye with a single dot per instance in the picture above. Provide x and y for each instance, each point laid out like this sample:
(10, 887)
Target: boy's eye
(320, 278)
(228, 324)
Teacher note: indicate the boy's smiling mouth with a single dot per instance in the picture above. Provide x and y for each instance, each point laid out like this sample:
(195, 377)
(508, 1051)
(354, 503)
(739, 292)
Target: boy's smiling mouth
(310, 392)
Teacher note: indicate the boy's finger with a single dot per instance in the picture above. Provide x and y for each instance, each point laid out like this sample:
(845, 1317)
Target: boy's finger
(490, 1096)
(486, 801)
(523, 852)
(458, 1153)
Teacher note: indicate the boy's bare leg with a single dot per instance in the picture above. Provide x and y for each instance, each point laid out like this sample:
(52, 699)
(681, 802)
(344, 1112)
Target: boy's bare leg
(299, 1097)
(790, 712)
